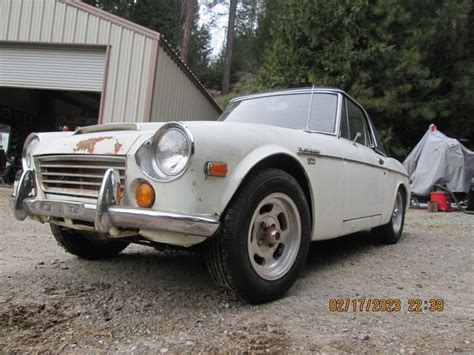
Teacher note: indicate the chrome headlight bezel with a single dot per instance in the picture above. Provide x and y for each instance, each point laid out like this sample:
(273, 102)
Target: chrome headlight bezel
(28, 150)
(146, 154)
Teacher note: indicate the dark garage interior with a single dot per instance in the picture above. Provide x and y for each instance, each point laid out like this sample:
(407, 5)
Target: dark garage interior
(23, 111)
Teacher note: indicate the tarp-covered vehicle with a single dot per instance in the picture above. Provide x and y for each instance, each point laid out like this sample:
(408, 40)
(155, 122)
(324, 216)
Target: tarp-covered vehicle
(439, 160)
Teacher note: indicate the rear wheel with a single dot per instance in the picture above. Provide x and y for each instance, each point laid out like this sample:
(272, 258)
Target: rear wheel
(84, 245)
(391, 232)
(264, 239)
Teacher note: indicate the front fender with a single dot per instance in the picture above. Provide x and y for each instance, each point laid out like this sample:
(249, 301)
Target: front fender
(197, 193)
(241, 170)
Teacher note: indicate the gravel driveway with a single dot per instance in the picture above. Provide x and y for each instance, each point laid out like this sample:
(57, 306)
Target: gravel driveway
(144, 300)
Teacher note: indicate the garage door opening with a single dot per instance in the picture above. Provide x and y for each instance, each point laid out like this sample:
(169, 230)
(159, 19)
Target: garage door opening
(35, 110)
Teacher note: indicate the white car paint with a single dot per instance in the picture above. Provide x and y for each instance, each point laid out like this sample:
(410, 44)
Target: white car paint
(346, 196)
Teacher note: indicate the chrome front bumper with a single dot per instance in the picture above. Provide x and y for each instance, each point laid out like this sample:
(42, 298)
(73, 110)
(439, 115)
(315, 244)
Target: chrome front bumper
(107, 214)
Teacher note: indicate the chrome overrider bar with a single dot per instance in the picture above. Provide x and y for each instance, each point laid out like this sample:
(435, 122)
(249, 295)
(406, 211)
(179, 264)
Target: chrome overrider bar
(107, 214)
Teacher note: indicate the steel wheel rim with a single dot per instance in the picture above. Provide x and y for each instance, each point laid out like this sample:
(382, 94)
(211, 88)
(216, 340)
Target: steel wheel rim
(274, 236)
(397, 213)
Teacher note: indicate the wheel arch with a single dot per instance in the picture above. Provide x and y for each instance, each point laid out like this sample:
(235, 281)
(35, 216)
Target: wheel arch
(278, 160)
(406, 193)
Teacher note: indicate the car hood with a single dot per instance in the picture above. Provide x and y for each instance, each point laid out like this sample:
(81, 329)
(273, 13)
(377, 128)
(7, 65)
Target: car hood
(106, 143)
(118, 139)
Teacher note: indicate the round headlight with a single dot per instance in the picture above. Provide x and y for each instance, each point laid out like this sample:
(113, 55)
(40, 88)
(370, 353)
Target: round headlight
(29, 148)
(172, 151)
(167, 154)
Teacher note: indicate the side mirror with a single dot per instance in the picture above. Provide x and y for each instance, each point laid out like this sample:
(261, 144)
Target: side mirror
(358, 135)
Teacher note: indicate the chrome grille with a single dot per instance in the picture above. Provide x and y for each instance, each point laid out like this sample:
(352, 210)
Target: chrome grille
(77, 175)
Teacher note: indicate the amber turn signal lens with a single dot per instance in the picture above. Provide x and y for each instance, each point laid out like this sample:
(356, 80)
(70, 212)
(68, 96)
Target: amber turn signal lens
(145, 195)
(216, 169)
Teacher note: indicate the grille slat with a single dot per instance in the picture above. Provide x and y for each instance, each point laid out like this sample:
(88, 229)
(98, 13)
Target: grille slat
(99, 176)
(74, 166)
(64, 182)
(76, 157)
(72, 192)
(77, 175)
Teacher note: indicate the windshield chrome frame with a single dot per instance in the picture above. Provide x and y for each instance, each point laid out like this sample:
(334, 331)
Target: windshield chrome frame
(308, 117)
(316, 90)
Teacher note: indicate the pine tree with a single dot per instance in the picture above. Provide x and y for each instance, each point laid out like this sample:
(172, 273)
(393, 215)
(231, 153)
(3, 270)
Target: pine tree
(398, 58)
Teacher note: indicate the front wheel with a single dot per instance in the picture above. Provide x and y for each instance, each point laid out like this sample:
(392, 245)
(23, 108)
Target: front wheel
(84, 246)
(391, 232)
(264, 239)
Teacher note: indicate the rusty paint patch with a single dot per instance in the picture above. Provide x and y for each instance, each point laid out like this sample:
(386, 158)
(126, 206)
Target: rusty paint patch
(117, 147)
(89, 144)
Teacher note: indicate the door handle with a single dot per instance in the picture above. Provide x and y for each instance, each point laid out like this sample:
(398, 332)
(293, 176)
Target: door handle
(381, 161)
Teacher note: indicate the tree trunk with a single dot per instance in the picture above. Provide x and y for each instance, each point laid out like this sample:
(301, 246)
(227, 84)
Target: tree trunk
(229, 46)
(188, 28)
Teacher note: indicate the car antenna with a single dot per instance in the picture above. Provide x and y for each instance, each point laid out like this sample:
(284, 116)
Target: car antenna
(309, 110)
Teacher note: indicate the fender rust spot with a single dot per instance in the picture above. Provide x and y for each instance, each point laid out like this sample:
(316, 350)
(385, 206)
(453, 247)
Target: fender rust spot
(117, 147)
(88, 145)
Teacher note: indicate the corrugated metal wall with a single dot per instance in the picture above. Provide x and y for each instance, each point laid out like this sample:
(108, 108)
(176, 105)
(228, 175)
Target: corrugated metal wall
(130, 57)
(176, 97)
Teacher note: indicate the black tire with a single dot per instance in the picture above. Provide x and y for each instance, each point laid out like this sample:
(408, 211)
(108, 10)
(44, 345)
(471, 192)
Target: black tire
(389, 233)
(228, 253)
(84, 246)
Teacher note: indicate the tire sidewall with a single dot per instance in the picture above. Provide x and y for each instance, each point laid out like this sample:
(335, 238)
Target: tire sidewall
(386, 232)
(243, 273)
(397, 235)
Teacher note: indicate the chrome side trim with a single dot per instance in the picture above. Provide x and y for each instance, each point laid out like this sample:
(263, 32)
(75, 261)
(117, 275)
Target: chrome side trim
(308, 151)
(358, 218)
(382, 167)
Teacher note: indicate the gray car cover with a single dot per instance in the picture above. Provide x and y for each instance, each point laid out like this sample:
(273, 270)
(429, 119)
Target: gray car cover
(438, 159)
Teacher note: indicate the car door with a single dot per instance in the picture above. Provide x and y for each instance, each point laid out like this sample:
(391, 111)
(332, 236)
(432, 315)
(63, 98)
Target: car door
(319, 153)
(365, 177)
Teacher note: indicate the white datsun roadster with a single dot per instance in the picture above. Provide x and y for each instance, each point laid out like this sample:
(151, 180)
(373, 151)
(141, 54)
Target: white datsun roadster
(277, 171)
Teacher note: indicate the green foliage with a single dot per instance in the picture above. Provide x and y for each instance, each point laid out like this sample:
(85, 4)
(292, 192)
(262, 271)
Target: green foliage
(401, 60)
(200, 51)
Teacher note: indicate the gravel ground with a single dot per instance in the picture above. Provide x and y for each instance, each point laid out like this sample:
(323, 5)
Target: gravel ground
(144, 300)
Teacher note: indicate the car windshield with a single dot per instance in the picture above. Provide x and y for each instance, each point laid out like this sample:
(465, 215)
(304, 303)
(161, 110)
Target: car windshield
(287, 110)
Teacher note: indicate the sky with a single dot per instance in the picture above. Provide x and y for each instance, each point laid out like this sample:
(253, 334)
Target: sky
(218, 16)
